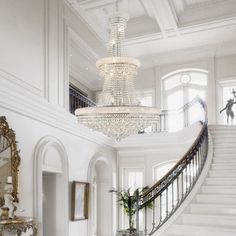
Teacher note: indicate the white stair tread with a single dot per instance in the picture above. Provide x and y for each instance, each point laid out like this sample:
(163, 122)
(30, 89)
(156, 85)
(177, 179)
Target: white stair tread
(224, 161)
(213, 210)
(216, 198)
(199, 230)
(219, 189)
(210, 220)
(221, 166)
(208, 209)
(221, 181)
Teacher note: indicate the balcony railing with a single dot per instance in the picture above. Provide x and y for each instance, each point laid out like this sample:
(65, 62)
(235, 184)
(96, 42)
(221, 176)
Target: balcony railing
(78, 100)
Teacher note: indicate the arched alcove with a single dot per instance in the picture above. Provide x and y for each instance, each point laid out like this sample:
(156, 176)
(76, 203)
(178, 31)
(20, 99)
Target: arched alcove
(102, 221)
(51, 161)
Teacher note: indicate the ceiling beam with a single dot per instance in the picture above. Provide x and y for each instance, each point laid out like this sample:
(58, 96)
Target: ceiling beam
(164, 15)
(148, 6)
(168, 18)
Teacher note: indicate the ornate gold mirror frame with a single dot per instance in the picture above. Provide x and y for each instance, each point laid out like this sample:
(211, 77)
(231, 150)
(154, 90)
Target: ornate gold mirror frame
(9, 135)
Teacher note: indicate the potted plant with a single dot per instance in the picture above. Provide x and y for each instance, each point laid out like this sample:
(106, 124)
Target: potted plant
(127, 200)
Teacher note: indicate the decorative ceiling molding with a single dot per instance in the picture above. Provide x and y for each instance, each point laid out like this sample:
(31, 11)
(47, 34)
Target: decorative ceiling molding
(188, 55)
(165, 30)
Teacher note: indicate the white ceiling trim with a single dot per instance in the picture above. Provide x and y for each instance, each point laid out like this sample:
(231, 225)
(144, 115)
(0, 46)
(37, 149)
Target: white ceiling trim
(183, 31)
(188, 55)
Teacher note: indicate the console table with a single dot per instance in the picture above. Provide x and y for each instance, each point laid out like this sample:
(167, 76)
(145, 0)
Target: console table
(18, 226)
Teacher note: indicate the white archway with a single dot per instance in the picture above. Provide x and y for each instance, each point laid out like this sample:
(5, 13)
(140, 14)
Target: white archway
(50, 156)
(102, 178)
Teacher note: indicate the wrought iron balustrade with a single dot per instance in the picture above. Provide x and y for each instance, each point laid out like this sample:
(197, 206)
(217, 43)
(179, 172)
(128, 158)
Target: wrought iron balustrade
(78, 100)
(170, 191)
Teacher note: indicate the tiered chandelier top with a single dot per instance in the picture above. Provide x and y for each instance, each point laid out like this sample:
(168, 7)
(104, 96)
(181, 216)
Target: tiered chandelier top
(118, 113)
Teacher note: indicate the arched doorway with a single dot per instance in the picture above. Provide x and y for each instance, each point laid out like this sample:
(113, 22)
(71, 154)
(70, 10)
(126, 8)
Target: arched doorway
(102, 201)
(51, 187)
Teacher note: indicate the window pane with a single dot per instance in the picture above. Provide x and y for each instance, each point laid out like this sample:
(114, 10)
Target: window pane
(175, 122)
(198, 78)
(175, 100)
(196, 113)
(132, 179)
(192, 93)
(172, 82)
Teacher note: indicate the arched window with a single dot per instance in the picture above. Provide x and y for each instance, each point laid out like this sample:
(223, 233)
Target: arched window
(179, 88)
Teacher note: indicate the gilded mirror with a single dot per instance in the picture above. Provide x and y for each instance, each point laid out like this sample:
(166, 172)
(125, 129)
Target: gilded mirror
(9, 159)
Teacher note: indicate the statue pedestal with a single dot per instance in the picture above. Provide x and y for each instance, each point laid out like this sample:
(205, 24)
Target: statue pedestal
(18, 226)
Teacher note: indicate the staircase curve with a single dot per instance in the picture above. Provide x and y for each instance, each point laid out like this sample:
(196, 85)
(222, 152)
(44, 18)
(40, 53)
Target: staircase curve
(158, 206)
(197, 197)
(213, 209)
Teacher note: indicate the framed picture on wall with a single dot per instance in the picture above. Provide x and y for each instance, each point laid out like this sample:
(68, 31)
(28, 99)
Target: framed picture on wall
(80, 200)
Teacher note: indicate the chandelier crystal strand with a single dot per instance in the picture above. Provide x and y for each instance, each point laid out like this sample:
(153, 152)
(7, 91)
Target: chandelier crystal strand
(119, 113)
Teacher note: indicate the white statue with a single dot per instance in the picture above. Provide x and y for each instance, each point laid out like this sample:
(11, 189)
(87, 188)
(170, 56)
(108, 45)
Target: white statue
(8, 198)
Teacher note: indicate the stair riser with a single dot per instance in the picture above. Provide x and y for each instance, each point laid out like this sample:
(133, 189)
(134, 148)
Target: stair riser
(181, 230)
(217, 200)
(208, 220)
(220, 182)
(224, 152)
(218, 190)
(196, 209)
(222, 174)
(223, 167)
(223, 161)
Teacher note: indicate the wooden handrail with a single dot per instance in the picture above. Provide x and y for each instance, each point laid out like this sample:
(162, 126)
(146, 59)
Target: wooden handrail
(186, 154)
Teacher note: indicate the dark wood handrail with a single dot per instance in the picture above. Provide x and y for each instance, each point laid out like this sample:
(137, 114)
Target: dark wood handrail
(182, 160)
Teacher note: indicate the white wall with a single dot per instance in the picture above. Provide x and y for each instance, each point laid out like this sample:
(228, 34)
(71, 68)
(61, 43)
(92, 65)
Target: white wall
(34, 93)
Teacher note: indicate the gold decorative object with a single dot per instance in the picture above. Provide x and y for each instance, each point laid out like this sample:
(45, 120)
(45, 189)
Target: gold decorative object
(5, 213)
(8, 146)
(18, 226)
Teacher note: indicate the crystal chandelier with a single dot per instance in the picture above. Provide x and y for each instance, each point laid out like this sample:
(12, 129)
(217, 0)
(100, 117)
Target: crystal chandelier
(118, 113)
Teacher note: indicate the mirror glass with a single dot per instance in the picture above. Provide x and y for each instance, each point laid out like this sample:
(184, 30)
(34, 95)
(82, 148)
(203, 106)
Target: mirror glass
(9, 160)
(5, 163)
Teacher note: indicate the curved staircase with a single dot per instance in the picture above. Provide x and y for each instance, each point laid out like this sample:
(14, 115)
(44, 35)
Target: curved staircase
(213, 210)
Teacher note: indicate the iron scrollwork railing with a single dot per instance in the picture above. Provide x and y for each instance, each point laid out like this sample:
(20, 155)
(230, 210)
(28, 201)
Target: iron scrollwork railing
(78, 100)
(170, 191)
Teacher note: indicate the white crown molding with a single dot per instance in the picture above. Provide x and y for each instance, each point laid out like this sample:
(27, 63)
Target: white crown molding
(37, 108)
(188, 55)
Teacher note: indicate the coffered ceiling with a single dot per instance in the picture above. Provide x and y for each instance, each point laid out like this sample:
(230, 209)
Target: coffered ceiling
(158, 27)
